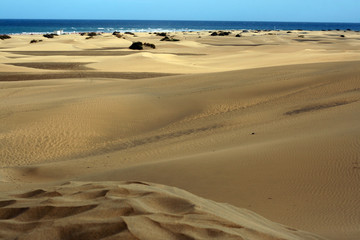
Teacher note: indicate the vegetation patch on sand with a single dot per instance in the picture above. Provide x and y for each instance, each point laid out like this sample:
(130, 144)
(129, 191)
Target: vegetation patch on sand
(140, 46)
(50, 35)
(4, 36)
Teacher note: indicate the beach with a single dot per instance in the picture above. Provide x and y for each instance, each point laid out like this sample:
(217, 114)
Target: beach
(252, 135)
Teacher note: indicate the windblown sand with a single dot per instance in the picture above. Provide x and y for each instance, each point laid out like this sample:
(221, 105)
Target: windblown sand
(91, 132)
(131, 210)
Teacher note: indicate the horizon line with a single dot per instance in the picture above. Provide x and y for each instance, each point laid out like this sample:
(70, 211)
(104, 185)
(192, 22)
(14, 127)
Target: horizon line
(84, 19)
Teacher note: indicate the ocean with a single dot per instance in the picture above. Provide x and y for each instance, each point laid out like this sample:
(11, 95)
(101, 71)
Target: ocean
(23, 26)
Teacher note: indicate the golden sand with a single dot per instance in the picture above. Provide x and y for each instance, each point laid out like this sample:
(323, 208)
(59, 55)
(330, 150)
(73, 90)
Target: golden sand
(266, 123)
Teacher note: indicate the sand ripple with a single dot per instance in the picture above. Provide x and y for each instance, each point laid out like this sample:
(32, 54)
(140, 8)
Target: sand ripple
(130, 210)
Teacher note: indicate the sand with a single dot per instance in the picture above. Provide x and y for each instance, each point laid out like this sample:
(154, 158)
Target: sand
(96, 140)
(131, 210)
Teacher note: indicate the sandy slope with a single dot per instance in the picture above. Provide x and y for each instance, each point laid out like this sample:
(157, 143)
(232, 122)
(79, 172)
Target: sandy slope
(264, 122)
(130, 210)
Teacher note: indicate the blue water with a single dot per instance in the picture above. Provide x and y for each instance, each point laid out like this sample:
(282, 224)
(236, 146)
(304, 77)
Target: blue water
(14, 26)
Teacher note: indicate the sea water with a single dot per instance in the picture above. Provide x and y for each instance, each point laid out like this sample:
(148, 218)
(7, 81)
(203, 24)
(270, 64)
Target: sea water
(24, 26)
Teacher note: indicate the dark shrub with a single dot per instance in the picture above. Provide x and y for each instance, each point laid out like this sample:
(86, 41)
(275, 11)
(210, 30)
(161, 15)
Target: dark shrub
(221, 33)
(342, 36)
(33, 41)
(136, 46)
(115, 33)
(150, 45)
(162, 34)
(50, 35)
(4, 36)
(89, 38)
(245, 31)
(92, 34)
(83, 34)
(288, 32)
(301, 36)
(169, 39)
(238, 35)
(130, 33)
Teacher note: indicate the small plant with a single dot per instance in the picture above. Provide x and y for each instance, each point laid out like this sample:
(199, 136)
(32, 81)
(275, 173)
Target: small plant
(4, 36)
(238, 35)
(170, 39)
(162, 34)
(136, 46)
(342, 36)
(150, 45)
(50, 35)
(92, 34)
(130, 33)
(301, 36)
(220, 33)
(35, 41)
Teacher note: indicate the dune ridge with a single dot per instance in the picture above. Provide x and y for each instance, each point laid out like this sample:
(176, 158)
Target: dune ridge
(130, 210)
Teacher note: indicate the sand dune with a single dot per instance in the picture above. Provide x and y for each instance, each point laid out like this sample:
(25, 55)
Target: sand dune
(130, 210)
(267, 123)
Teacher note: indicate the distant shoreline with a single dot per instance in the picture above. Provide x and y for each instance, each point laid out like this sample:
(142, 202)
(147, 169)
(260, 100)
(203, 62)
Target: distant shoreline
(23, 26)
(178, 32)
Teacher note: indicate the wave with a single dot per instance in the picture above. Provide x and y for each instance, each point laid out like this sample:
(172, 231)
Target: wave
(19, 26)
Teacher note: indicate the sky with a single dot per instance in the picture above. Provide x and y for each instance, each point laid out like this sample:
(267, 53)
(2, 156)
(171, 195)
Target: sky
(223, 10)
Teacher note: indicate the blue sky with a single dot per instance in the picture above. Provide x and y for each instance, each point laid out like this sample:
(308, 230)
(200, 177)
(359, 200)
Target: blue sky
(228, 10)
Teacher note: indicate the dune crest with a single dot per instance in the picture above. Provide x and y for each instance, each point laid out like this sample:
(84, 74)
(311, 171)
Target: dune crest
(130, 210)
